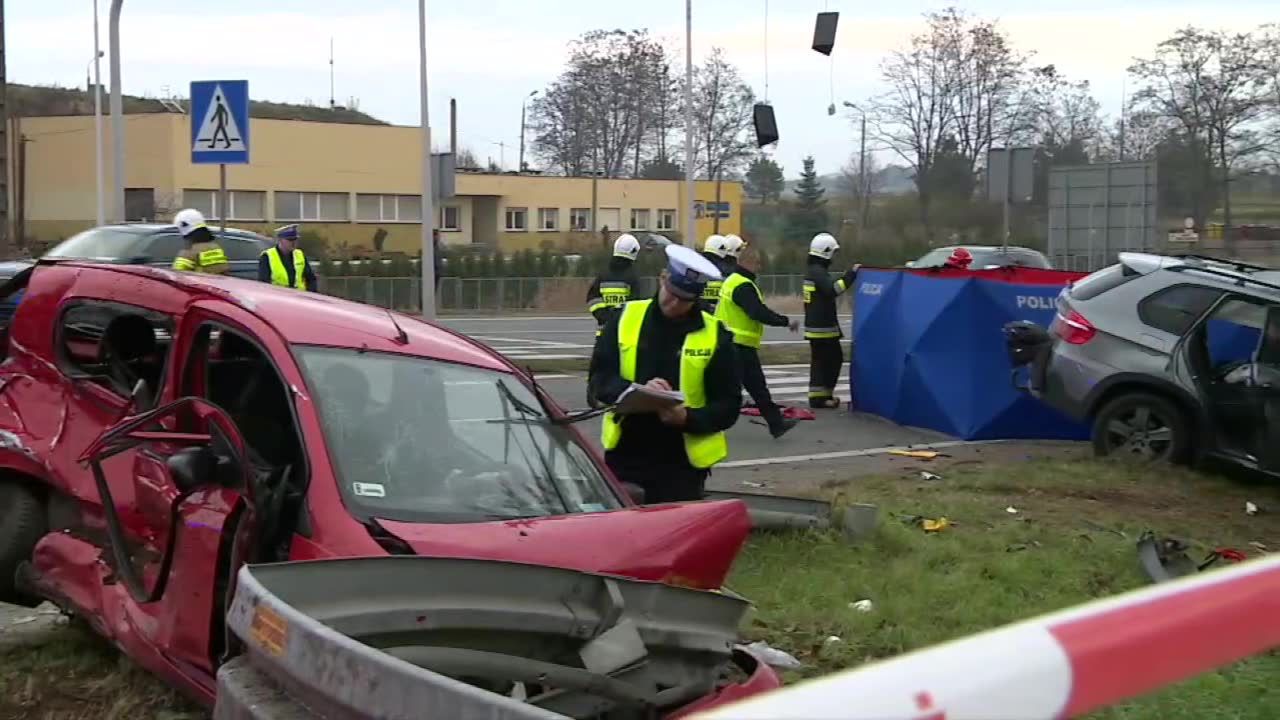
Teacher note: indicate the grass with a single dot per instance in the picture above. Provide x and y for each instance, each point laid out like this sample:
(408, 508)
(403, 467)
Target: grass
(1072, 540)
(67, 673)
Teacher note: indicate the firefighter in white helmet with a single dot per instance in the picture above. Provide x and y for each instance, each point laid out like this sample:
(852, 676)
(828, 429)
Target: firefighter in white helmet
(716, 250)
(822, 322)
(615, 286)
(202, 252)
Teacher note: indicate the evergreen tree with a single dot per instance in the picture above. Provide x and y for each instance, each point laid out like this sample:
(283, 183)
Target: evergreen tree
(809, 215)
(764, 180)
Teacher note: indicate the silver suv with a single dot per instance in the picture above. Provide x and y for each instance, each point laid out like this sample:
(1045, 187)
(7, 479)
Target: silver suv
(1167, 358)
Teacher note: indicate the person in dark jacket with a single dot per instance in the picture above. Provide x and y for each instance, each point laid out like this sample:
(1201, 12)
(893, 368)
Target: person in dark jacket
(285, 264)
(716, 250)
(743, 311)
(668, 343)
(615, 286)
(821, 320)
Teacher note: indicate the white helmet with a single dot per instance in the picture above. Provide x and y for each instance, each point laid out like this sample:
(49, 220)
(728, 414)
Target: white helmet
(823, 245)
(717, 245)
(188, 220)
(733, 245)
(626, 246)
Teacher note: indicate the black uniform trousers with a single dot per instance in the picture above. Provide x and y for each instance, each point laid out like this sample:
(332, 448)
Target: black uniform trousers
(826, 357)
(757, 387)
(663, 482)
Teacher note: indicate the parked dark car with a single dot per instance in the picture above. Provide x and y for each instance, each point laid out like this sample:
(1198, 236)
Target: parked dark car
(985, 257)
(139, 244)
(1167, 358)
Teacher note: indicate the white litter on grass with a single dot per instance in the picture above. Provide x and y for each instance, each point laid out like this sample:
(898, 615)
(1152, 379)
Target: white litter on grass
(926, 475)
(831, 640)
(1250, 508)
(774, 657)
(865, 606)
(1011, 510)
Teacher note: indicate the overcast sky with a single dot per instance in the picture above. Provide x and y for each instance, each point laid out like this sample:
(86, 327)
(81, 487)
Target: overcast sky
(489, 54)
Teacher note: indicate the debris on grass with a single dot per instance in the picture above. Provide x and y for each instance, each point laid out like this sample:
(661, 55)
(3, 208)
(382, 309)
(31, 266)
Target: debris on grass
(859, 522)
(864, 605)
(1250, 508)
(918, 454)
(932, 525)
(1011, 510)
(774, 657)
(929, 477)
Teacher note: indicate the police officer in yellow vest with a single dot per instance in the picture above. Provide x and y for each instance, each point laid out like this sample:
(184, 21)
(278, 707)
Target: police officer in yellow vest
(716, 250)
(743, 311)
(668, 343)
(202, 253)
(284, 264)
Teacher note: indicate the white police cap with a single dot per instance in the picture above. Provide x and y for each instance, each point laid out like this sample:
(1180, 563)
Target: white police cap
(688, 271)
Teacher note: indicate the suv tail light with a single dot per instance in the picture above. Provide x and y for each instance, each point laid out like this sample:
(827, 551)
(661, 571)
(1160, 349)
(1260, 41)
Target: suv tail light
(1073, 328)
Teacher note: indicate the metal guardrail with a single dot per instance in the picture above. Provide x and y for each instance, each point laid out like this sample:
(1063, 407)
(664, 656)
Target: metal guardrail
(559, 294)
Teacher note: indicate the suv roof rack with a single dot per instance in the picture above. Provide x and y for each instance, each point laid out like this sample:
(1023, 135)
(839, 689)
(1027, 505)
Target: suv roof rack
(1233, 277)
(1225, 261)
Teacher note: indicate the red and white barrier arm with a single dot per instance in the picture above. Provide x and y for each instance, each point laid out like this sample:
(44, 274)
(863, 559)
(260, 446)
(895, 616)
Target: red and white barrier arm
(1060, 665)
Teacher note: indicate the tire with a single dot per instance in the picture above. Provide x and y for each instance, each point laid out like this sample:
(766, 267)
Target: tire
(1147, 427)
(22, 524)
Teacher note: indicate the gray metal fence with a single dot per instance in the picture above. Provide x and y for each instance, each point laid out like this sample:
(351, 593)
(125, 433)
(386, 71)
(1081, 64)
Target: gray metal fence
(548, 294)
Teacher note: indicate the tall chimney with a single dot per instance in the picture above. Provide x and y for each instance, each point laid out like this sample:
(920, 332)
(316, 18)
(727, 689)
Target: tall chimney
(453, 127)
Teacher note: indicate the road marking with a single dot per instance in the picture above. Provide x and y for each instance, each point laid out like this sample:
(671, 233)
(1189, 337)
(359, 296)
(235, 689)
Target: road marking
(789, 459)
(527, 341)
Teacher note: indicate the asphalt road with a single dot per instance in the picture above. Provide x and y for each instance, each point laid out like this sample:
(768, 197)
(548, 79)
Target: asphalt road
(562, 337)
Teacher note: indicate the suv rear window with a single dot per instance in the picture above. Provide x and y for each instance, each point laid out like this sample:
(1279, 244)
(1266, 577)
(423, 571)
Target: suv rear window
(1175, 309)
(98, 244)
(1108, 278)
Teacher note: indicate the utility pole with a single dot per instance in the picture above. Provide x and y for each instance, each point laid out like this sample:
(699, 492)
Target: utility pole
(688, 125)
(4, 146)
(99, 180)
(428, 204)
(520, 167)
(117, 116)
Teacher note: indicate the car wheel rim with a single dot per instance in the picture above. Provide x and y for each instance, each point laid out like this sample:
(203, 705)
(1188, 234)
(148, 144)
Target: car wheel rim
(1141, 432)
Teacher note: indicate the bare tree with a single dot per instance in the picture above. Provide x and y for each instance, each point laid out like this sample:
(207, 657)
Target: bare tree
(1135, 135)
(989, 97)
(722, 110)
(1269, 44)
(1213, 86)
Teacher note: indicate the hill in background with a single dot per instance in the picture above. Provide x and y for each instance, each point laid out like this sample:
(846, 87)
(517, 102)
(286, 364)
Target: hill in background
(891, 180)
(42, 101)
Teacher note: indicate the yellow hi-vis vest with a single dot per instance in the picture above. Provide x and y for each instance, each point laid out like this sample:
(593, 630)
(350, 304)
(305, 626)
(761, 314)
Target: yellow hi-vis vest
(746, 332)
(703, 450)
(203, 257)
(280, 276)
(711, 295)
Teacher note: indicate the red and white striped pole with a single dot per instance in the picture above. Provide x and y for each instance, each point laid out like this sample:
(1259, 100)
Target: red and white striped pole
(1060, 665)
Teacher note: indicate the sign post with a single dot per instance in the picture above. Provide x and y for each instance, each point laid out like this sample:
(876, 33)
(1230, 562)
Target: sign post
(220, 130)
(1188, 234)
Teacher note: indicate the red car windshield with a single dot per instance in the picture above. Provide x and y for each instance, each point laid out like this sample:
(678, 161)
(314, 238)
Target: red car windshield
(418, 440)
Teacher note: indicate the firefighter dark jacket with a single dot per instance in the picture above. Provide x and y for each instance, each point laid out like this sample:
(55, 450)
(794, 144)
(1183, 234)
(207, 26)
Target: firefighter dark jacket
(610, 290)
(821, 320)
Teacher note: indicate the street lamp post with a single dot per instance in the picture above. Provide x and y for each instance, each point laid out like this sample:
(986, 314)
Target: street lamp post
(428, 209)
(97, 121)
(688, 125)
(117, 115)
(520, 167)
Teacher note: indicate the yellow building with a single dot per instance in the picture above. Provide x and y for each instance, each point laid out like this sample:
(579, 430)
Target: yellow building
(353, 184)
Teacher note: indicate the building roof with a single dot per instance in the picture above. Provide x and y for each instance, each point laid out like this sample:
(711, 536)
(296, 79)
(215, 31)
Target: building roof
(314, 319)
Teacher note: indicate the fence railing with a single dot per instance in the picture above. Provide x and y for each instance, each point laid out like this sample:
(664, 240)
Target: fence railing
(548, 294)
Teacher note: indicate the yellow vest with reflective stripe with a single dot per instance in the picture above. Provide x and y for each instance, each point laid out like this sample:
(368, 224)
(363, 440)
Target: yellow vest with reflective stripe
(280, 276)
(711, 294)
(746, 332)
(703, 451)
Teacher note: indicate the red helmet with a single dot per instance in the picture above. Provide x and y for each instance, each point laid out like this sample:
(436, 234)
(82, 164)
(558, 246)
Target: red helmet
(960, 258)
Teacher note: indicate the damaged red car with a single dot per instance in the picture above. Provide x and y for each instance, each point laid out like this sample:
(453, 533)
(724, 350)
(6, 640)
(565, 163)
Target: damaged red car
(163, 435)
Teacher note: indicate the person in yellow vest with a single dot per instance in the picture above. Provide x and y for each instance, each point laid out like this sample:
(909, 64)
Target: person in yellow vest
(202, 253)
(669, 343)
(285, 264)
(743, 311)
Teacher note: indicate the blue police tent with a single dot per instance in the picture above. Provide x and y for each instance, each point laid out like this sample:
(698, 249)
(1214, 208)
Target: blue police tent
(928, 351)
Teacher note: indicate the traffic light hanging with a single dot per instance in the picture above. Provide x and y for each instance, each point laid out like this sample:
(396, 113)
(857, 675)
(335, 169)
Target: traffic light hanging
(824, 32)
(766, 126)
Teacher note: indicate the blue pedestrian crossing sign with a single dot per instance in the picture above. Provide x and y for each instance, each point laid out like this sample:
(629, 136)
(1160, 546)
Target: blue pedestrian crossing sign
(220, 122)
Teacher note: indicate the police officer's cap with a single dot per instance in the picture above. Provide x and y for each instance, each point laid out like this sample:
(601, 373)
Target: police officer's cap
(688, 272)
(288, 232)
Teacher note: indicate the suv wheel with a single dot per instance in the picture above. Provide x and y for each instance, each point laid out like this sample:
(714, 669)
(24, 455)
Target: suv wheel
(22, 524)
(1145, 427)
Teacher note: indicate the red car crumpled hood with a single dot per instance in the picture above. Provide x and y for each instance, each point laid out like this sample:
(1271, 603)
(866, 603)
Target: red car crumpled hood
(693, 545)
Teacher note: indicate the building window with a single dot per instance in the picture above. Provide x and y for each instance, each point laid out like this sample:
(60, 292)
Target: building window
(666, 219)
(579, 218)
(517, 219)
(389, 208)
(548, 218)
(639, 219)
(316, 207)
(450, 218)
(242, 204)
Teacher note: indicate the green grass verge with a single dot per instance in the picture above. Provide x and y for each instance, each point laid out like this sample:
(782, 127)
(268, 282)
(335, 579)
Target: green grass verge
(1072, 540)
